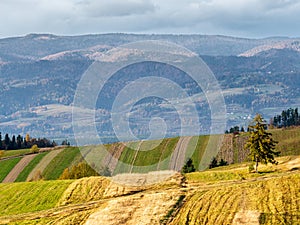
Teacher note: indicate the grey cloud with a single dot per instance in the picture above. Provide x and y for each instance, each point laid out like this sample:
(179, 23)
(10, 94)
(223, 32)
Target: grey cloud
(279, 4)
(247, 18)
(115, 8)
(253, 18)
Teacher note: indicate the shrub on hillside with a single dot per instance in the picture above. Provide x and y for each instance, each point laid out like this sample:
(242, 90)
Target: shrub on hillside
(81, 170)
(214, 163)
(37, 176)
(34, 149)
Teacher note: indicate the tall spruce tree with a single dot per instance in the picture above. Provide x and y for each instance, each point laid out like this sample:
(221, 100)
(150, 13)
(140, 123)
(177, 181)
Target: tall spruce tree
(6, 141)
(13, 142)
(261, 143)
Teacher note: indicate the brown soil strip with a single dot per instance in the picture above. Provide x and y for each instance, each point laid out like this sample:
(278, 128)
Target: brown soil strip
(178, 156)
(14, 173)
(111, 159)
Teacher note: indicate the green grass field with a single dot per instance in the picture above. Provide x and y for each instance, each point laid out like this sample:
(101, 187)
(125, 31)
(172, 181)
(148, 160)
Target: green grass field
(289, 141)
(129, 152)
(26, 171)
(10, 153)
(146, 160)
(63, 160)
(148, 156)
(201, 144)
(6, 166)
(23, 197)
(166, 154)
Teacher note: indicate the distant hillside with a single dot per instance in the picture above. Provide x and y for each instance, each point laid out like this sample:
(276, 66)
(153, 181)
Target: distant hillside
(286, 44)
(39, 74)
(36, 46)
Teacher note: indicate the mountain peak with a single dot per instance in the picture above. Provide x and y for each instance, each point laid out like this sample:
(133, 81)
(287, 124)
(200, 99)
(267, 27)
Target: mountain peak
(40, 36)
(293, 44)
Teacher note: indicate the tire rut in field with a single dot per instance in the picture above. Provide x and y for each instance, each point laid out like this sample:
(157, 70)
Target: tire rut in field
(247, 217)
(142, 208)
(14, 173)
(135, 156)
(178, 156)
(111, 159)
(160, 158)
(43, 163)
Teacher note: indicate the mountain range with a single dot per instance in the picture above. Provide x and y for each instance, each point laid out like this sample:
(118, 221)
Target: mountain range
(39, 74)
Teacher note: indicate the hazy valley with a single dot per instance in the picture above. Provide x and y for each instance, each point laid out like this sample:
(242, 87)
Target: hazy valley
(39, 74)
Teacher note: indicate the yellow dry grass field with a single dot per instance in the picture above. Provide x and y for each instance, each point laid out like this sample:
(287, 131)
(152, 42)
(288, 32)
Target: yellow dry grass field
(225, 195)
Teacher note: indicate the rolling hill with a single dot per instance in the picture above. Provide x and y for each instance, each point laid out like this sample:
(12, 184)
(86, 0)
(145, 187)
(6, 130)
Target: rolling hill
(223, 195)
(227, 195)
(137, 157)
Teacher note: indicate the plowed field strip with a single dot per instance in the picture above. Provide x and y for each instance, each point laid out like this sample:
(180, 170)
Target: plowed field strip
(12, 176)
(178, 156)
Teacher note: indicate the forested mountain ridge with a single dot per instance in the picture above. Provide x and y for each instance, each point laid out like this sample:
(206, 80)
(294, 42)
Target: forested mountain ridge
(36, 46)
(39, 74)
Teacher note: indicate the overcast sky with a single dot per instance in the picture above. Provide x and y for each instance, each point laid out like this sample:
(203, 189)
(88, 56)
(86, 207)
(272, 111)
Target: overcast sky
(243, 18)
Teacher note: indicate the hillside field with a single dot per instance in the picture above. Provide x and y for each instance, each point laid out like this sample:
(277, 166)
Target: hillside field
(222, 195)
(133, 157)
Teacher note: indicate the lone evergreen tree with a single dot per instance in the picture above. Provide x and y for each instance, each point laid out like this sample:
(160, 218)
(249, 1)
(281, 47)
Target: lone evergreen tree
(261, 143)
(188, 167)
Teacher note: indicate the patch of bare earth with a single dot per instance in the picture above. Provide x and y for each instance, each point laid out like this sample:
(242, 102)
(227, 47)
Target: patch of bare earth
(293, 164)
(140, 209)
(246, 217)
(140, 179)
(14, 173)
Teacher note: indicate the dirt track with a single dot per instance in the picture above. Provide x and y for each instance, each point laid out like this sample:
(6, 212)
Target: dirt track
(111, 159)
(135, 155)
(43, 163)
(14, 173)
(178, 156)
